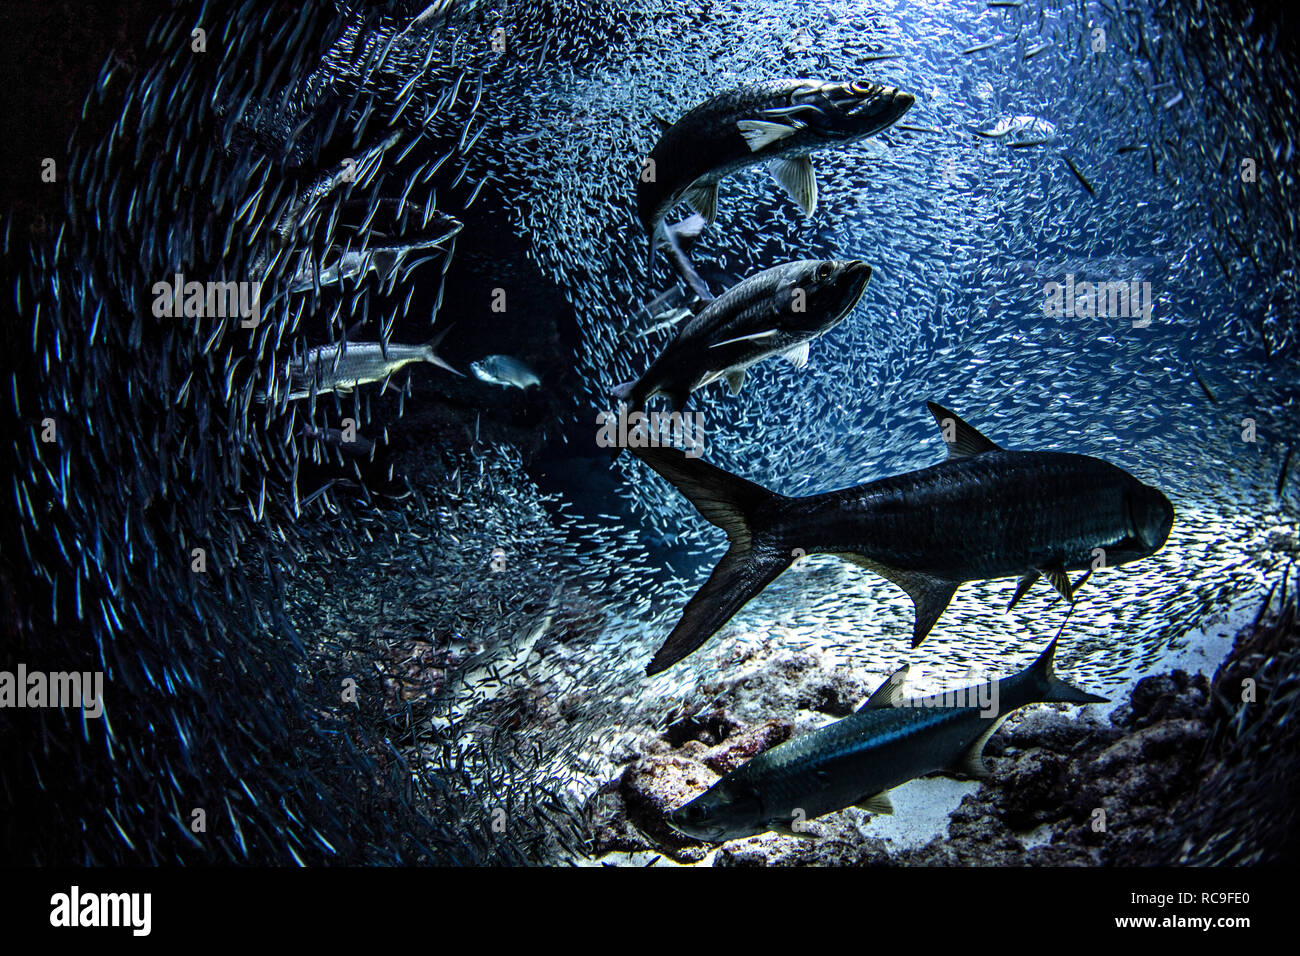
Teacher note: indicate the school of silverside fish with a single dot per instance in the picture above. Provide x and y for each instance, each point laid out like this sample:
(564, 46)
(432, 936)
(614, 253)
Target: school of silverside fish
(342, 613)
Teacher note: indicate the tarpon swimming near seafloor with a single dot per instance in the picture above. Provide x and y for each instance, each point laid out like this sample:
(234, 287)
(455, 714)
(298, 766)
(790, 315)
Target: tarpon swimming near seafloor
(986, 512)
(778, 311)
(855, 761)
(781, 121)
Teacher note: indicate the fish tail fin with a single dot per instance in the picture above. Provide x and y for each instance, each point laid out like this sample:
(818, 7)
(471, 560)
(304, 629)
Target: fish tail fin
(658, 234)
(431, 355)
(750, 564)
(1058, 690)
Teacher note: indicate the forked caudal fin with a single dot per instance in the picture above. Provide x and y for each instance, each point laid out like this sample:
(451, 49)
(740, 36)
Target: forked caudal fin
(730, 502)
(431, 355)
(1057, 689)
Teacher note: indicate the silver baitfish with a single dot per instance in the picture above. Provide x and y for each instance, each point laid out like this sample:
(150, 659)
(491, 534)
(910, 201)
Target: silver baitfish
(986, 512)
(778, 311)
(342, 367)
(382, 260)
(1037, 129)
(855, 761)
(504, 370)
(780, 120)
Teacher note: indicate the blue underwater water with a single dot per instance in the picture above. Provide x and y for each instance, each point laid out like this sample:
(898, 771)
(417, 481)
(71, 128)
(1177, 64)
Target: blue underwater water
(500, 579)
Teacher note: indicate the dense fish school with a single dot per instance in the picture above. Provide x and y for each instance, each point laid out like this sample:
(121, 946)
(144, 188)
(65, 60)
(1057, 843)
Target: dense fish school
(339, 493)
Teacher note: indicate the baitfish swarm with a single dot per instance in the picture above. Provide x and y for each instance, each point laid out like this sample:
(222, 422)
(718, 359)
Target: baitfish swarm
(497, 640)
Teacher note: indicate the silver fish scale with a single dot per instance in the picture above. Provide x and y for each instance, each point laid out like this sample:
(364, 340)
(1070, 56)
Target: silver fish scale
(953, 518)
(332, 367)
(824, 770)
(753, 305)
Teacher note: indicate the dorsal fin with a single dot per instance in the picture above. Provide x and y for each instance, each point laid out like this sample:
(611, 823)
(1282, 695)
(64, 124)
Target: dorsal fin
(962, 439)
(662, 124)
(888, 693)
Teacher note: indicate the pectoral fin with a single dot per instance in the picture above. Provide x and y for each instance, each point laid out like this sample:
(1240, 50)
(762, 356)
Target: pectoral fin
(736, 380)
(877, 803)
(788, 830)
(797, 356)
(754, 337)
(760, 133)
(796, 176)
(703, 198)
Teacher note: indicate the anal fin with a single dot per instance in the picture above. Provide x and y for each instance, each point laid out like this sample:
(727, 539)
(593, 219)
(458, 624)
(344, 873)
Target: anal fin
(930, 595)
(736, 380)
(1058, 579)
(1023, 587)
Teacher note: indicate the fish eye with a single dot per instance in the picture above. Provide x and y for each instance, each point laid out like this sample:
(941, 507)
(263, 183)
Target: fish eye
(860, 87)
(824, 270)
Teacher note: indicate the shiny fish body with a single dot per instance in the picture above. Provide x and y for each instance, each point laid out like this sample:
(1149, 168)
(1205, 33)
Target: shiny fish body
(984, 513)
(504, 370)
(856, 760)
(341, 368)
(726, 134)
(966, 519)
(1026, 126)
(751, 321)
